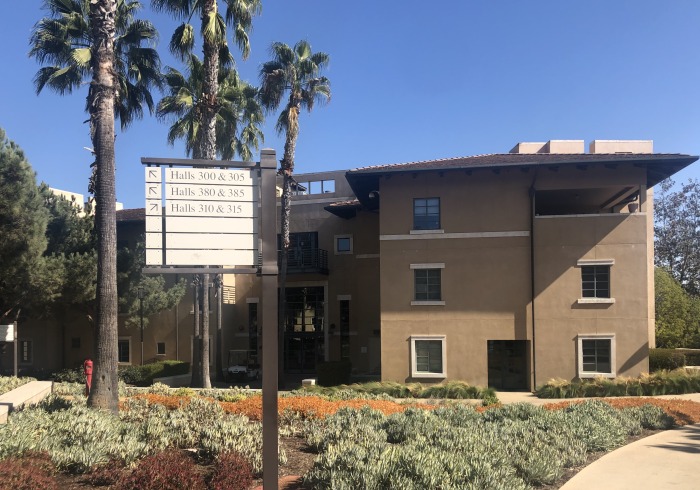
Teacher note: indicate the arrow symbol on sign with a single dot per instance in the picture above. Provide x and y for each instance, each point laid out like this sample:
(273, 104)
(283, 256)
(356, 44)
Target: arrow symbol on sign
(154, 207)
(153, 190)
(152, 173)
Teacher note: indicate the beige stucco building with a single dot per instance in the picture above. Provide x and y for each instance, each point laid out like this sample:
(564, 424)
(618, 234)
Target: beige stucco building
(504, 270)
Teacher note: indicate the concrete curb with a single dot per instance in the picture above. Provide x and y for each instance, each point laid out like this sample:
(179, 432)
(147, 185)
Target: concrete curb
(27, 394)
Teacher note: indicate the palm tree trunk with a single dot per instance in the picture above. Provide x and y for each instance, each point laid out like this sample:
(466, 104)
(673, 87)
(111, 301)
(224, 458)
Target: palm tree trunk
(104, 393)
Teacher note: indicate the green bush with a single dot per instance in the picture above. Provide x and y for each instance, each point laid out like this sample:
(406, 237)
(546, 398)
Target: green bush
(9, 383)
(676, 382)
(69, 375)
(144, 375)
(448, 390)
(692, 356)
(333, 373)
(668, 359)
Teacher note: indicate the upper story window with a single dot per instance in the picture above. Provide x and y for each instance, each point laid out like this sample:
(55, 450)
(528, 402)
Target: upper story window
(427, 284)
(595, 281)
(426, 213)
(343, 244)
(315, 187)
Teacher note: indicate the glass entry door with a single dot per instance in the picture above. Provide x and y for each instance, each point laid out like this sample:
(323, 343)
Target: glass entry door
(304, 329)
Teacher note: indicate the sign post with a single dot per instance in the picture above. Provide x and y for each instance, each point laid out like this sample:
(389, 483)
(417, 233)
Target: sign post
(219, 217)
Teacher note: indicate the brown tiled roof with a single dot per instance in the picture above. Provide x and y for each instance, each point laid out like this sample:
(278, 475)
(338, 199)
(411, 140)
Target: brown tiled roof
(138, 214)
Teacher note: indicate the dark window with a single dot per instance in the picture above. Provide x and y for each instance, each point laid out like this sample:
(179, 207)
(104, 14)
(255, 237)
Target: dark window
(426, 214)
(596, 355)
(26, 354)
(253, 327)
(123, 353)
(343, 244)
(427, 285)
(160, 348)
(344, 329)
(75, 342)
(595, 281)
(429, 356)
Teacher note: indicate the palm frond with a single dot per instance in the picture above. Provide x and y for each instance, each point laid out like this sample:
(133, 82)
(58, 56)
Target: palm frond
(181, 9)
(214, 28)
(182, 41)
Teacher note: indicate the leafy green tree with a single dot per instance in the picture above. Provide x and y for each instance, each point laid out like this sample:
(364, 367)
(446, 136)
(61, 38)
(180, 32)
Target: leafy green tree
(677, 232)
(157, 297)
(239, 113)
(23, 220)
(677, 313)
(239, 16)
(295, 73)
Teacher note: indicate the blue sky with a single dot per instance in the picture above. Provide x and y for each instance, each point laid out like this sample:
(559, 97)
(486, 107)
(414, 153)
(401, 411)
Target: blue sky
(414, 80)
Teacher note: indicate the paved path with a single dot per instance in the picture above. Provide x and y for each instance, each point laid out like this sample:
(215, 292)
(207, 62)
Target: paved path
(666, 460)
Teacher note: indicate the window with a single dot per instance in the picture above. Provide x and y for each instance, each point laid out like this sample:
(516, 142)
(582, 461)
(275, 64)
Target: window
(343, 244)
(26, 352)
(124, 350)
(160, 348)
(428, 357)
(426, 214)
(315, 187)
(427, 283)
(253, 327)
(595, 281)
(344, 307)
(596, 356)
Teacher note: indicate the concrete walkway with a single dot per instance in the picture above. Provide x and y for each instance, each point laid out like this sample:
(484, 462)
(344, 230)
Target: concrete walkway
(666, 460)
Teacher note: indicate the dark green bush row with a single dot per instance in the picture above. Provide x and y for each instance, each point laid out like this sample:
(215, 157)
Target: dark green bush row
(450, 389)
(675, 382)
(670, 359)
(144, 375)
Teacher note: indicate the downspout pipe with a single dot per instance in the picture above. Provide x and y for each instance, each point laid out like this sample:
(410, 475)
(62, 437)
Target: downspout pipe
(532, 285)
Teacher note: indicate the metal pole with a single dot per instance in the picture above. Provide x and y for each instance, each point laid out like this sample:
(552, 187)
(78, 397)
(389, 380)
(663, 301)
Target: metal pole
(15, 344)
(140, 293)
(268, 234)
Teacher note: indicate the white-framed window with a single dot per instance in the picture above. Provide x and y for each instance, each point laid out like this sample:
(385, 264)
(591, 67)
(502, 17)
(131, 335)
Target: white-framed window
(427, 284)
(595, 281)
(428, 356)
(596, 355)
(160, 348)
(343, 244)
(124, 350)
(26, 351)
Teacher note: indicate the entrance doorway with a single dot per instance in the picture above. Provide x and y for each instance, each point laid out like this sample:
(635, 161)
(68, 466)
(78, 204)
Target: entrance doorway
(507, 362)
(304, 331)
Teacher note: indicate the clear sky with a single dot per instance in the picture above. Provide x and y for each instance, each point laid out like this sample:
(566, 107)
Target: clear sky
(413, 80)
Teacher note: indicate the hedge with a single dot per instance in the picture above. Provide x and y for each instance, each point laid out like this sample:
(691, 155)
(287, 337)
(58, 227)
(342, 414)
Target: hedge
(144, 375)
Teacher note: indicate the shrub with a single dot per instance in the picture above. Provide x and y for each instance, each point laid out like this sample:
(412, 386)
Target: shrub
(32, 471)
(105, 475)
(168, 470)
(457, 390)
(668, 359)
(69, 375)
(144, 375)
(9, 383)
(231, 472)
(333, 373)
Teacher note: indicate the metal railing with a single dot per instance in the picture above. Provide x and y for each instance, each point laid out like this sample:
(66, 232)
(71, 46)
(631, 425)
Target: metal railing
(311, 260)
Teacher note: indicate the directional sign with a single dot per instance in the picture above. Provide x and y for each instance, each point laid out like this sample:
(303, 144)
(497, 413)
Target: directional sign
(187, 224)
(153, 208)
(209, 257)
(205, 208)
(153, 191)
(205, 240)
(211, 192)
(153, 174)
(210, 176)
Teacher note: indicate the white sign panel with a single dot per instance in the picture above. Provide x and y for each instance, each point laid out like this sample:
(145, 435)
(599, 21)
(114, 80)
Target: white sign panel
(7, 333)
(187, 224)
(209, 176)
(211, 192)
(154, 256)
(153, 174)
(153, 191)
(206, 240)
(209, 257)
(206, 208)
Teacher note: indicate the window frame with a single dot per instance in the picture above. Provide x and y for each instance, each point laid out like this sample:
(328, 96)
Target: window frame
(158, 345)
(414, 356)
(426, 216)
(580, 339)
(128, 341)
(22, 359)
(337, 238)
(595, 299)
(427, 301)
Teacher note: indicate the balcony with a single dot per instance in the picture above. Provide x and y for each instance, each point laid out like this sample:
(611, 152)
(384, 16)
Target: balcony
(306, 261)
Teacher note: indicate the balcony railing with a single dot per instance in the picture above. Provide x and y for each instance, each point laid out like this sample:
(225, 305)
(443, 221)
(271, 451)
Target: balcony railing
(306, 261)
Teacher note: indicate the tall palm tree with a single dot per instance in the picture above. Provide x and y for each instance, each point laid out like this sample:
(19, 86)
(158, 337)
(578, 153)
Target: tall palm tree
(99, 40)
(64, 42)
(238, 118)
(294, 72)
(239, 15)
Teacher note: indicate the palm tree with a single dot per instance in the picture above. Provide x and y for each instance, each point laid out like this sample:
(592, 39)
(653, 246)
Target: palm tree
(238, 118)
(64, 41)
(296, 72)
(99, 40)
(239, 15)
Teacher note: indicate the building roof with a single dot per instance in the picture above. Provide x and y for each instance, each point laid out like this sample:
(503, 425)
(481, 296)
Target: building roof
(344, 209)
(659, 166)
(124, 215)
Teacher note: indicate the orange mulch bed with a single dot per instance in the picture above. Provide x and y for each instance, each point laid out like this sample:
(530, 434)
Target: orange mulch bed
(683, 411)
